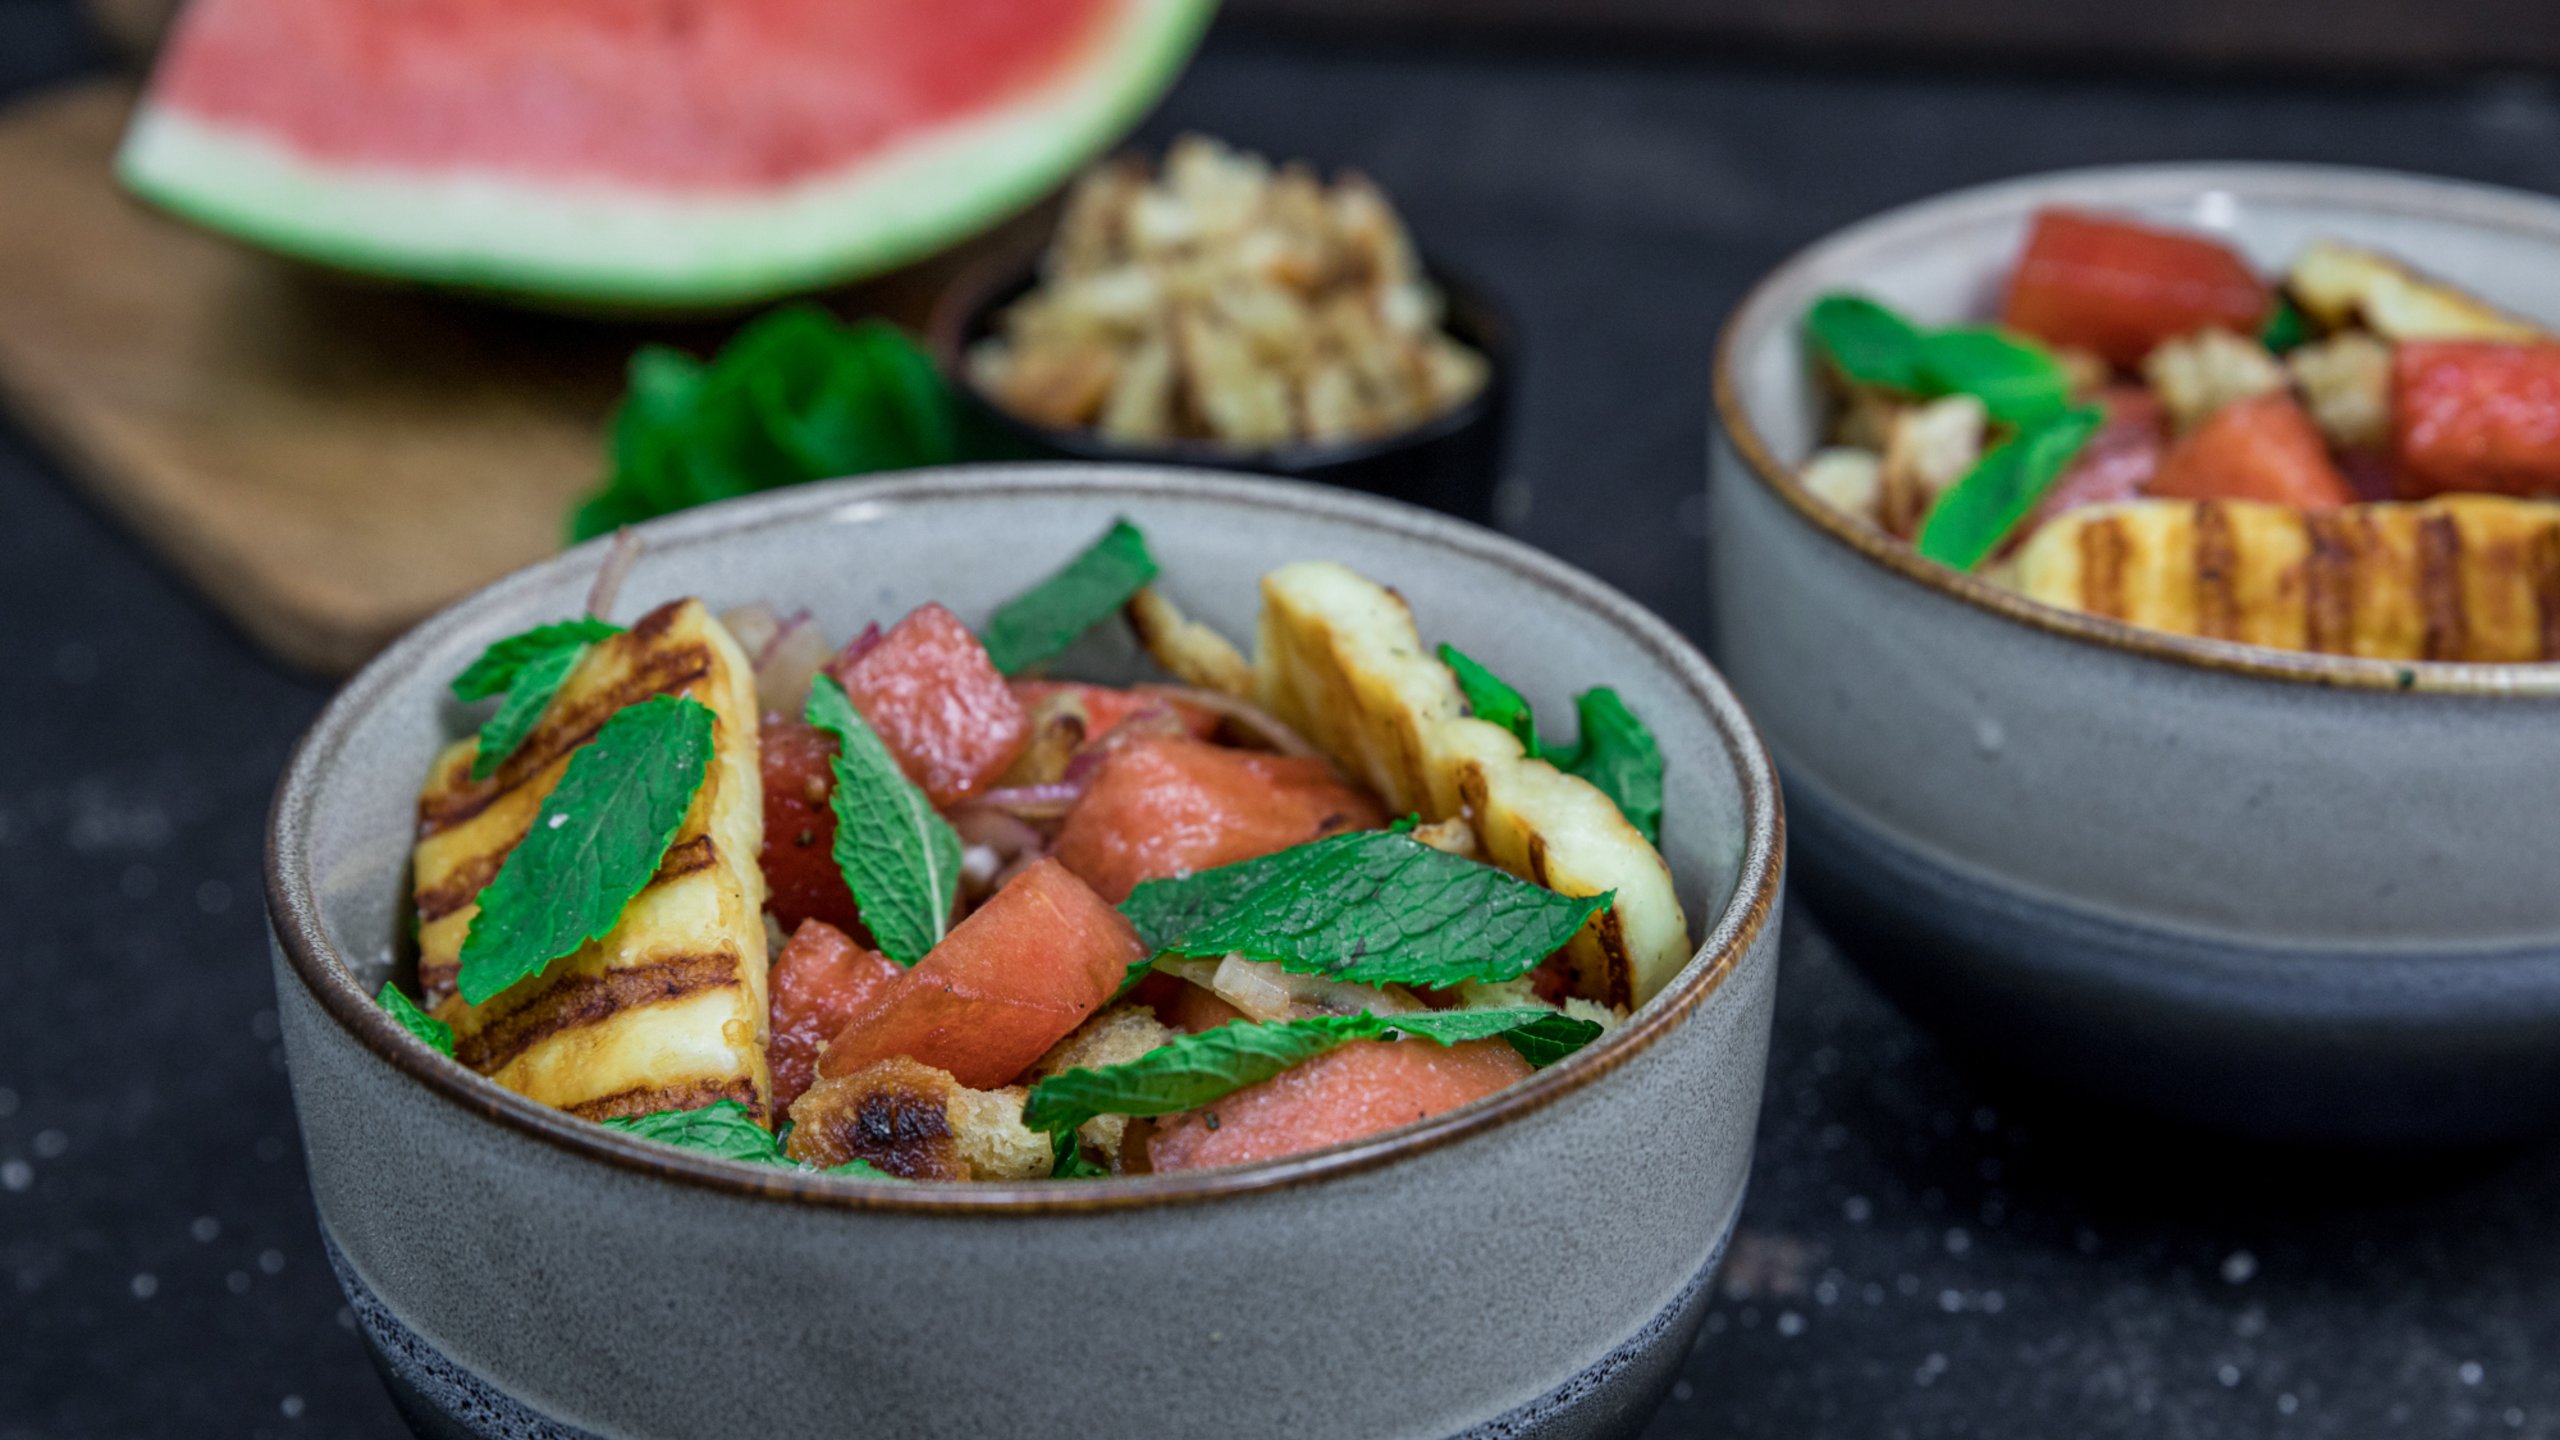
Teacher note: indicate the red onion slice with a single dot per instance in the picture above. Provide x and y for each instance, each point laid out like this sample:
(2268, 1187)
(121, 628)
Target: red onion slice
(1248, 718)
(618, 560)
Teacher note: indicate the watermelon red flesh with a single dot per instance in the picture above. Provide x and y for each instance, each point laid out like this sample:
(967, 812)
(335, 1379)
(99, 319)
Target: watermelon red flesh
(682, 151)
(820, 980)
(2264, 448)
(2476, 415)
(1361, 1089)
(2118, 288)
(1005, 985)
(1168, 806)
(802, 879)
(938, 703)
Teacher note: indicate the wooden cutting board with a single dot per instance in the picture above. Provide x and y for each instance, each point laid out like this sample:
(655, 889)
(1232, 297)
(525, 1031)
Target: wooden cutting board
(329, 460)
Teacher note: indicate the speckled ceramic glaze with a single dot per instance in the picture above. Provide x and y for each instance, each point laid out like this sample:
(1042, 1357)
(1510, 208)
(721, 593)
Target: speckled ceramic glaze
(2300, 896)
(1529, 1265)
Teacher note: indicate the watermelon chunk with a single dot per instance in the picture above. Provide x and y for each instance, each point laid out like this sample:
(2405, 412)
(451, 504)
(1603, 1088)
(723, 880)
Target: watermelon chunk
(1168, 806)
(938, 702)
(1102, 709)
(2262, 448)
(2476, 415)
(1360, 1089)
(802, 881)
(820, 980)
(1005, 985)
(683, 153)
(2119, 288)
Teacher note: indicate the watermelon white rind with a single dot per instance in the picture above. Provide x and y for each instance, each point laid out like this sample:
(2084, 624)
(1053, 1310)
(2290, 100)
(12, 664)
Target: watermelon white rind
(611, 242)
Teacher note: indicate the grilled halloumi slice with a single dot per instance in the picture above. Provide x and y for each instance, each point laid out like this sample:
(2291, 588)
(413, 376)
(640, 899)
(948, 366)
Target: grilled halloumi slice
(1338, 657)
(2470, 577)
(668, 1010)
(2342, 285)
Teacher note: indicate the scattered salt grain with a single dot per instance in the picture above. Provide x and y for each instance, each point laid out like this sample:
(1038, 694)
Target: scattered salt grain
(51, 1143)
(271, 1262)
(1790, 1324)
(206, 1229)
(292, 1407)
(145, 1285)
(2471, 1372)
(2239, 1267)
(555, 822)
(17, 1176)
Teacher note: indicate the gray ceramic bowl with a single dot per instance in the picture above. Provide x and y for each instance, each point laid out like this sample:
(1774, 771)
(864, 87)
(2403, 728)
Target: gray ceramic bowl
(1533, 1264)
(2297, 896)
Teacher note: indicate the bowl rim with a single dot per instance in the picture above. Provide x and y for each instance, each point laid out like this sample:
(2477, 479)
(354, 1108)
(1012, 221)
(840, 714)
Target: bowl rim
(294, 914)
(2367, 189)
(966, 308)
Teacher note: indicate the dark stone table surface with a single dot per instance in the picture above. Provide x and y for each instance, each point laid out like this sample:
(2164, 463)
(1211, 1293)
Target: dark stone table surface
(1921, 1255)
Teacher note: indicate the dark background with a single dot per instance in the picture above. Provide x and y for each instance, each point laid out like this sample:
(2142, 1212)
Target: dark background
(1921, 1255)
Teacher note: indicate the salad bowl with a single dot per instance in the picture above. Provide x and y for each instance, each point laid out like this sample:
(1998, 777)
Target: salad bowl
(1530, 1264)
(2303, 897)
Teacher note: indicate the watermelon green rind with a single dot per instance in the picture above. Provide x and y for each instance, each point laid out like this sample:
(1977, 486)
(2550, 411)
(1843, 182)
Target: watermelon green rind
(616, 244)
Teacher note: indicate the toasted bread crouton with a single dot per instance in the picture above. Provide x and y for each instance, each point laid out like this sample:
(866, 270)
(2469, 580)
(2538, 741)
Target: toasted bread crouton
(2346, 385)
(668, 1009)
(1452, 836)
(2341, 285)
(1340, 660)
(2196, 375)
(1188, 650)
(1849, 481)
(1116, 1036)
(916, 1122)
(1928, 449)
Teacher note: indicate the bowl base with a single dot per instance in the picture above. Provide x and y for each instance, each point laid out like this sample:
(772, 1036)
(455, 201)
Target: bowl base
(1612, 1399)
(2301, 1046)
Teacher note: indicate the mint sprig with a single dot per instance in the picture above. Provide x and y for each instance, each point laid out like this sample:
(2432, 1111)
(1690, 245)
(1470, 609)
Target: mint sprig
(2018, 381)
(900, 858)
(529, 667)
(1615, 752)
(796, 396)
(596, 842)
(726, 1129)
(1068, 1160)
(437, 1034)
(1990, 500)
(1195, 1070)
(1043, 621)
(1372, 907)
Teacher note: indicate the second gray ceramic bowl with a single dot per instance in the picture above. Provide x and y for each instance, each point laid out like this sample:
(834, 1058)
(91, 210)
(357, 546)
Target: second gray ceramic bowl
(1533, 1264)
(2299, 897)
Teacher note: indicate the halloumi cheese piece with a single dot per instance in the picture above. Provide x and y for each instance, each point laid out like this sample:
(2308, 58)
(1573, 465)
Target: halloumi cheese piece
(2466, 578)
(2341, 285)
(668, 1010)
(1339, 659)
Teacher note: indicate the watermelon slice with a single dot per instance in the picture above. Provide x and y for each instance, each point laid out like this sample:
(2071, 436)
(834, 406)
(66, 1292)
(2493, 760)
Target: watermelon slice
(682, 153)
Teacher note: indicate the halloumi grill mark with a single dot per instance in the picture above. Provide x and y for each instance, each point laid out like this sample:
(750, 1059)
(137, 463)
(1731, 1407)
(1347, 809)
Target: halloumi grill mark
(668, 1010)
(2471, 578)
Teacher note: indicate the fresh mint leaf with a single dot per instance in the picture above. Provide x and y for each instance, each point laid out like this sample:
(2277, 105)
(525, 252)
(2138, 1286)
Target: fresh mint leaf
(1195, 1070)
(1044, 620)
(794, 396)
(1491, 699)
(899, 857)
(595, 843)
(1981, 508)
(1618, 755)
(1165, 910)
(723, 1128)
(1869, 343)
(529, 667)
(2018, 381)
(1377, 908)
(2287, 328)
(437, 1034)
(1069, 1162)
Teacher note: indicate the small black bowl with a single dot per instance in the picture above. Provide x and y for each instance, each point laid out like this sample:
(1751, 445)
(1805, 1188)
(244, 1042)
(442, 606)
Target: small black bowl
(1449, 462)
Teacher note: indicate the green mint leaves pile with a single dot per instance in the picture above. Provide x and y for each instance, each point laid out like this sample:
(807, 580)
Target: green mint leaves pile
(795, 396)
(1197, 1070)
(2021, 385)
(1372, 907)
(596, 842)
(900, 858)
(1615, 752)
(1041, 622)
(725, 1128)
(528, 668)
